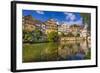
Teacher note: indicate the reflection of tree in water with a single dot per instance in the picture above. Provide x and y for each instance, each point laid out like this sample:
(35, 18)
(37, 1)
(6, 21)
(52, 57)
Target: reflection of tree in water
(50, 52)
(53, 51)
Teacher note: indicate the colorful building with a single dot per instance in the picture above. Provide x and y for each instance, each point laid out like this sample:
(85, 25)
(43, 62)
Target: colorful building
(63, 28)
(51, 26)
(28, 23)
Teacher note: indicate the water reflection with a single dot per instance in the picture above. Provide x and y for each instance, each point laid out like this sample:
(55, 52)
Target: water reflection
(68, 50)
(73, 50)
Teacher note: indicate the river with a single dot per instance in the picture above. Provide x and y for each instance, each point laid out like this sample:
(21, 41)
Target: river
(53, 51)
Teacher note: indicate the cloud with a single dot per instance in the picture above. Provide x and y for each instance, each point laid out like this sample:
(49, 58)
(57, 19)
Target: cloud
(70, 16)
(40, 12)
(79, 22)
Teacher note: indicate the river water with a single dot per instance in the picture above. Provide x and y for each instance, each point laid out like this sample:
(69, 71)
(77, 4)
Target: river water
(53, 51)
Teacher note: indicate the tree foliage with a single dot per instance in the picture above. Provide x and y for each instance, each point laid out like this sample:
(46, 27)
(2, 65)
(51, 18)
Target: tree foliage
(86, 19)
(70, 34)
(52, 36)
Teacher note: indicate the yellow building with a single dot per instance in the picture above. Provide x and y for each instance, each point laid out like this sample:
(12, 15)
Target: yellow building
(29, 28)
(28, 23)
(51, 26)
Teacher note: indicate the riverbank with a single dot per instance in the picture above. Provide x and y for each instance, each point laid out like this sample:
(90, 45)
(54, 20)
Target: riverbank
(73, 38)
(61, 40)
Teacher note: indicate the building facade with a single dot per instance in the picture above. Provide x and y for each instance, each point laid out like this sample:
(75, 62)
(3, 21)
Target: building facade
(51, 26)
(28, 23)
(63, 28)
(75, 29)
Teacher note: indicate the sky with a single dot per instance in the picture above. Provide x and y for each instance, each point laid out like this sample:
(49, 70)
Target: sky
(69, 18)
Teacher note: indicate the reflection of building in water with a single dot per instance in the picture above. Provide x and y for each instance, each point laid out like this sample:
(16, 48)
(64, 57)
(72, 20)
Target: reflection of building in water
(85, 46)
(73, 49)
(65, 50)
(84, 31)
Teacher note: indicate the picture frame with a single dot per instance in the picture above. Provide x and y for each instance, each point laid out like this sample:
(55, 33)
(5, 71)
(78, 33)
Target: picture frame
(24, 53)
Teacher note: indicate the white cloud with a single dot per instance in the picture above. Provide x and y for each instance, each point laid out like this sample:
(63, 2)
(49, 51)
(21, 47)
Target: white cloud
(70, 16)
(67, 13)
(40, 12)
(79, 22)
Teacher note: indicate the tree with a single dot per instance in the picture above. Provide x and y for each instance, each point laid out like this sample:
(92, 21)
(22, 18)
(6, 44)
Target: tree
(36, 34)
(62, 34)
(86, 19)
(27, 36)
(78, 35)
(52, 36)
(70, 34)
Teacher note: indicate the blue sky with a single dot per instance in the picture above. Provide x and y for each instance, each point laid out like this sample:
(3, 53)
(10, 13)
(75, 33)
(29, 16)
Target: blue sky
(62, 17)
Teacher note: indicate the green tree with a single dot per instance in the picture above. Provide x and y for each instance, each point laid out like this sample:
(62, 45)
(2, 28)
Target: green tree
(36, 34)
(52, 36)
(86, 19)
(78, 35)
(70, 34)
(27, 36)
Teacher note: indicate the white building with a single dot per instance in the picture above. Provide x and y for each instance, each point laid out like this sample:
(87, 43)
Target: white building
(84, 31)
(63, 28)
